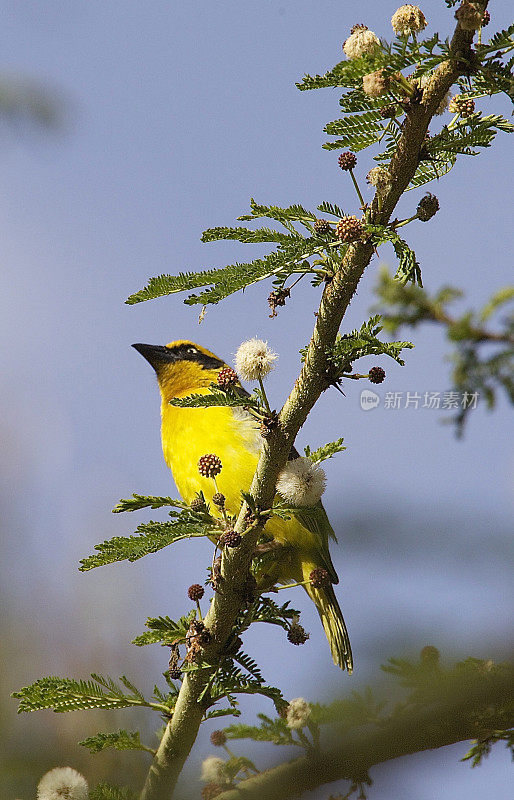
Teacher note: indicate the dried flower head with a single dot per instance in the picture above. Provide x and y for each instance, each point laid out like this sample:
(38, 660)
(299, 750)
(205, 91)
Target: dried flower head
(297, 713)
(427, 207)
(347, 160)
(195, 592)
(389, 112)
(486, 19)
(361, 42)
(218, 738)
(175, 674)
(209, 465)
(349, 229)
(296, 633)
(380, 177)
(213, 770)
(408, 19)
(226, 377)
(254, 360)
(277, 298)
(469, 16)
(301, 482)
(375, 84)
(319, 578)
(62, 783)
(460, 104)
(376, 375)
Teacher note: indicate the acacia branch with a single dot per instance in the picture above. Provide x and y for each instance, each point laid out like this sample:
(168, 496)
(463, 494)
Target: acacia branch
(181, 731)
(451, 718)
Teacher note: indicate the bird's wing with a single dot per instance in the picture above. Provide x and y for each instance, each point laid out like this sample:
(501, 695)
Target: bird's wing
(315, 520)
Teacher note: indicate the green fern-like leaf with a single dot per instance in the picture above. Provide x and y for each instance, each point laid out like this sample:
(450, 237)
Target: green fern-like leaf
(138, 501)
(165, 630)
(152, 536)
(66, 694)
(215, 398)
(171, 284)
(117, 740)
(326, 451)
(332, 209)
(431, 170)
(247, 235)
(357, 131)
(408, 266)
(105, 791)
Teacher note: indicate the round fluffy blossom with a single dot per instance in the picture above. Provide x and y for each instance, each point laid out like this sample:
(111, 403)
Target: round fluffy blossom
(379, 177)
(443, 105)
(408, 19)
(297, 714)
(254, 360)
(62, 783)
(301, 482)
(213, 770)
(470, 16)
(361, 42)
(375, 84)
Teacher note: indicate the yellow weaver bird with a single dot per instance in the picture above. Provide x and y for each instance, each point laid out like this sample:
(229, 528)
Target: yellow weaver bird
(185, 368)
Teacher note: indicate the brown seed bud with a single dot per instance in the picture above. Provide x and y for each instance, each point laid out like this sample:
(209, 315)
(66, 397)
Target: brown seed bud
(226, 377)
(376, 375)
(230, 539)
(347, 160)
(319, 578)
(349, 229)
(195, 592)
(322, 227)
(218, 738)
(209, 465)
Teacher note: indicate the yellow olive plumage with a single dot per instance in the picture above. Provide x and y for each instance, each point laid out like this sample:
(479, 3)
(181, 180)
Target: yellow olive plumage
(185, 368)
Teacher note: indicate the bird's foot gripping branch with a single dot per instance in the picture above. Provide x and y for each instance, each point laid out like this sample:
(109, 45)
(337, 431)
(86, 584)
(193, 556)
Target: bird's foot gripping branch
(243, 486)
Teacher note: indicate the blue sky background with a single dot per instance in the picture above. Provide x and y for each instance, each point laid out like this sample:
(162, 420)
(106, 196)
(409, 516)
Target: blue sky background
(174, 115)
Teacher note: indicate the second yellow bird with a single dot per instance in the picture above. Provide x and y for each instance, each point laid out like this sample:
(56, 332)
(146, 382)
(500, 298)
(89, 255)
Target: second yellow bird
(185, 368)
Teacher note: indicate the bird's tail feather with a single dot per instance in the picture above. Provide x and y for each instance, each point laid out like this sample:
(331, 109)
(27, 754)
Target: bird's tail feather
(334, 626)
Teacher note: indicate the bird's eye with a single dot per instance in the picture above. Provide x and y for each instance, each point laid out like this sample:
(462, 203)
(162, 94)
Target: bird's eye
(191, 350)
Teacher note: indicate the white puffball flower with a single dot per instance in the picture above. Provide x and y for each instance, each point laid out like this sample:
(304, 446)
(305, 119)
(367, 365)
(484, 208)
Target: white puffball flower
(379, 177)
(62, 783)
(297, 714)
(213, 770)
(254, 360)
(408, 19)
(301, 482)
(445, 102)
(361, 42)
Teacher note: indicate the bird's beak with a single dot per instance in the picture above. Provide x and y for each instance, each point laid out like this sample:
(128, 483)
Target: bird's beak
(155, 354)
